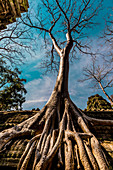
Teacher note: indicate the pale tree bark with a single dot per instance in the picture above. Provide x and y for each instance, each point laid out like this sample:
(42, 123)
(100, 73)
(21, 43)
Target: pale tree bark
(109, 98)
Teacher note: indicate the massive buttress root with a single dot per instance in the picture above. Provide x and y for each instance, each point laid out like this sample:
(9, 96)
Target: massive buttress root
(61, 134)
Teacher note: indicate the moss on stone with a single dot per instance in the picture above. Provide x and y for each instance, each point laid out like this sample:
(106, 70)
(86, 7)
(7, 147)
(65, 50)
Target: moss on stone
(10, 10)
(97, 103)
(12, 118)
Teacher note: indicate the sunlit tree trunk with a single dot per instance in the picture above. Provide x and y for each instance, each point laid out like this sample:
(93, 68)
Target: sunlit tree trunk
(109, 98)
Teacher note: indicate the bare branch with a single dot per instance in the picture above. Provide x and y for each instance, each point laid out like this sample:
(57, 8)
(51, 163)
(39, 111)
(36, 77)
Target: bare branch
(34, 26)
(99, 74)
(54, 23)
(68, 26)
(57, 48)
(80, 16)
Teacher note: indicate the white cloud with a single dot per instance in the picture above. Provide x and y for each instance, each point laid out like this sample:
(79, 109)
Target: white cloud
(39, 91)
(36, 101)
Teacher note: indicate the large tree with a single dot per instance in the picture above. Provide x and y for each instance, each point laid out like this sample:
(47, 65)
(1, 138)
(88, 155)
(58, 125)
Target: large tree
(61, 130)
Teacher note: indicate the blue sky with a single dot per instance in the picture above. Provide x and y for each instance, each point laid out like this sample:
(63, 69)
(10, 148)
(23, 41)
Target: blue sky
(39, 87)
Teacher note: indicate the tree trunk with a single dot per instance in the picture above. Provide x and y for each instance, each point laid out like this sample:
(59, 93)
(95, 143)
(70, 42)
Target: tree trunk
(60, 129)
(109, 98)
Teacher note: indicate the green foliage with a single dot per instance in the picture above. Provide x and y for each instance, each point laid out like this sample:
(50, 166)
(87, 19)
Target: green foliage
(12, 88)
(97, 103)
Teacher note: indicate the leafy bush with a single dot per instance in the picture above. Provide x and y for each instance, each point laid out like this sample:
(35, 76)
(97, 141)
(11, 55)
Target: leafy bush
(97, 103)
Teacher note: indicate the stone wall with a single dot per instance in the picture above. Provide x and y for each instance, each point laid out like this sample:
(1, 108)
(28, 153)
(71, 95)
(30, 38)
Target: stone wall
(12, 118)
(11, 156)
(102, 132)
(10, 10)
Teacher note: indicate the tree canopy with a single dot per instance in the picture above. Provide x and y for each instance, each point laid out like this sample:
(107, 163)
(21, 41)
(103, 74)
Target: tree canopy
(11, 88)
(56, 18)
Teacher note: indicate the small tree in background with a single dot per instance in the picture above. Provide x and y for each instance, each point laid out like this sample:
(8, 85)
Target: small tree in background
(100, 73)
(12, 88)
(100, 69)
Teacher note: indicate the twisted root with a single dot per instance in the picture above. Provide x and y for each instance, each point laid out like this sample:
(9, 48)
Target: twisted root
(61, 133)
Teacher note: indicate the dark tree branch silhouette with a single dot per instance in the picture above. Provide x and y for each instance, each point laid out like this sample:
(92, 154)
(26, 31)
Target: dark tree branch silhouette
(14, 42)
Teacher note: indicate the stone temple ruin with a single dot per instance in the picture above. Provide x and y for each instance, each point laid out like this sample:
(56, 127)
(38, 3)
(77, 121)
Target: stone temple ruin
(11, 156)
(10, 10)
